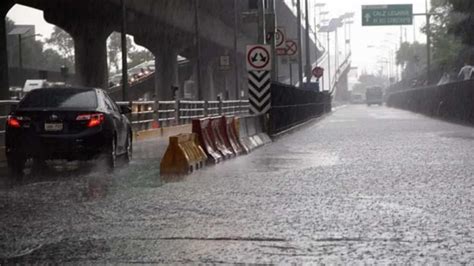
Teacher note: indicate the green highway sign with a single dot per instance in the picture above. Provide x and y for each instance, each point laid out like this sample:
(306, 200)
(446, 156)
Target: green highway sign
(387, 15)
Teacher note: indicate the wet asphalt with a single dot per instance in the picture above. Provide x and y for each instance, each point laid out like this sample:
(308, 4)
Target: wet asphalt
(364, 185)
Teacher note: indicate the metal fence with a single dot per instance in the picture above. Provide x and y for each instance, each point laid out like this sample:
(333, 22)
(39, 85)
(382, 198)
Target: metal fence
(150, 114)
(292, 106)
(452, 101)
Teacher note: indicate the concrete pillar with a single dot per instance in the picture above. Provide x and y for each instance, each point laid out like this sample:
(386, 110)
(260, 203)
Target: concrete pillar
(166, 73)
(4, 83)
(207, 79)
(90, 45)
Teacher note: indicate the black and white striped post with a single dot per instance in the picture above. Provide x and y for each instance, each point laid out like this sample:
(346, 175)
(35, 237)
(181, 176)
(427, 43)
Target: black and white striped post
(259, 66)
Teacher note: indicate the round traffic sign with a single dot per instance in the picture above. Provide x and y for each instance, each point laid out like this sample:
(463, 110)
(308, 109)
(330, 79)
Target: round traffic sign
(279, 38)
(291, 47)
(318, 72)
(258, 57)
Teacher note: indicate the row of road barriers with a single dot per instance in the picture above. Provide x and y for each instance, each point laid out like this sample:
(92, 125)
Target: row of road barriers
(452, 101)
(219, 138)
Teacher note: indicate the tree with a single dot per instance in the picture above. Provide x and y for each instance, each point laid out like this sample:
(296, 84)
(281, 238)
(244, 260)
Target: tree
(446, 47)
(462, 23)
(31, 49)
(139, 56)
(34, 54)
(115, 49)
(63, 42)
(53, 60)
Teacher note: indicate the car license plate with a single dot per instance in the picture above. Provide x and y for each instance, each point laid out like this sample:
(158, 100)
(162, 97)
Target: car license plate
(53, 126)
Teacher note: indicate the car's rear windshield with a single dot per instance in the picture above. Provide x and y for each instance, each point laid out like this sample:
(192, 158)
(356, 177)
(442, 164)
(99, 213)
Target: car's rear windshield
(60, 99)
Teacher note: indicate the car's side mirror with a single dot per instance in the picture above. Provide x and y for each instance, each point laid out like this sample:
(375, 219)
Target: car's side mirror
(125, 110)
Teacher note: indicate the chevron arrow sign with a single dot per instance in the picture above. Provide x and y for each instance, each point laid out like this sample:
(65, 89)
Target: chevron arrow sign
(259, 92)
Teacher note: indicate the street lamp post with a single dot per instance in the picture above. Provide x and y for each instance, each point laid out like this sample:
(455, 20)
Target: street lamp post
(300, 54)
(308, 67)
(20, 53)
(236, 68)
(124, 51)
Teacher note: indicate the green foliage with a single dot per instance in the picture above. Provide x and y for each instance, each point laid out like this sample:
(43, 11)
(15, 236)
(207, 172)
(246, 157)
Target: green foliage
(462, 24)
(411, 53)
(63, 43)
(35, 55)
(135, 56)
(115, 49)
(139, 56)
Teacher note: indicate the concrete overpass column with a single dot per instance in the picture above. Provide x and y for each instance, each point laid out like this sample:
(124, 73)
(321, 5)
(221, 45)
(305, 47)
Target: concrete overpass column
(166, 73)
(207, 79)
(4, 83)
(90, 44)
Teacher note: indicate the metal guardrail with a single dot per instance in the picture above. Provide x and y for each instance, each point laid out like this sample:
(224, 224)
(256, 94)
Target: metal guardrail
(149, 114)
(340, 70)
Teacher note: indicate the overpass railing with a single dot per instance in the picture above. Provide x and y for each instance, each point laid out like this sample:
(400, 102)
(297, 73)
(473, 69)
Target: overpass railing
(339, 72)
(150, 114)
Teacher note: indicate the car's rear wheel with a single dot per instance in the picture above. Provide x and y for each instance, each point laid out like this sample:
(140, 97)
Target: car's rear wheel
(111, 156)
(16, 165)
(129, 149)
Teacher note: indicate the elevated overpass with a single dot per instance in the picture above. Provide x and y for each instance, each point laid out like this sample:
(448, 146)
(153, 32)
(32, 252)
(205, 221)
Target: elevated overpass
(166, 28)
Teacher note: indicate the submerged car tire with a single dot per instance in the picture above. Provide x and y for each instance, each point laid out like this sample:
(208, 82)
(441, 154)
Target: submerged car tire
(111, 156)
(129, 149)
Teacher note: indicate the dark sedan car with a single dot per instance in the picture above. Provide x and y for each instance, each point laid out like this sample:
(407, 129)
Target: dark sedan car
(67, 124)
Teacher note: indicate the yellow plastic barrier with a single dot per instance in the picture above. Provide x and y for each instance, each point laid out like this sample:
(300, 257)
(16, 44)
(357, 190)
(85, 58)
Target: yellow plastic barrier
(183, 156)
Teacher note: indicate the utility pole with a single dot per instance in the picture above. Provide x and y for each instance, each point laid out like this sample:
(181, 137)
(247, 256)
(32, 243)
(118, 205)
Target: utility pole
(124, 52)
(308, 67)
(428, 40)
(20, 57)
(261, 23)
(329, 61)
(428, 43)
(271, 27)
(336, 52)
(236, 67)
(300, 54)
(197, 42)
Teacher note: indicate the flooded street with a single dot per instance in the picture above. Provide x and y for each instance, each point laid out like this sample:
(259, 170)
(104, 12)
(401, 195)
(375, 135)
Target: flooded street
(361, 185)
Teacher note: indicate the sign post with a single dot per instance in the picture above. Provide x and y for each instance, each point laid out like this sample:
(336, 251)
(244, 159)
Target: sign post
(387, 15)
(259, 65)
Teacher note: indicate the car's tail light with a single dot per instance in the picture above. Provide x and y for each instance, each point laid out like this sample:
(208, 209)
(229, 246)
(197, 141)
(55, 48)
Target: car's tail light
(93, 119)
(16, 121)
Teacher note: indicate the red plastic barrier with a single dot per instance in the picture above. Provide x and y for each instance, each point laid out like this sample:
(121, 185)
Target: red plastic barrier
(231, 135)
(217, 135)
(202, 128)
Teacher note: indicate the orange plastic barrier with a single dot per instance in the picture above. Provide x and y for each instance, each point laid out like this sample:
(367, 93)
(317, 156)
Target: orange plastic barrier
(217, 135)
(202, 128)
(231, 135)
(183, 156)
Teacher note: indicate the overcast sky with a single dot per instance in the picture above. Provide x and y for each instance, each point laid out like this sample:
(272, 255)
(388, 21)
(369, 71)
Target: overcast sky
(363, 57)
